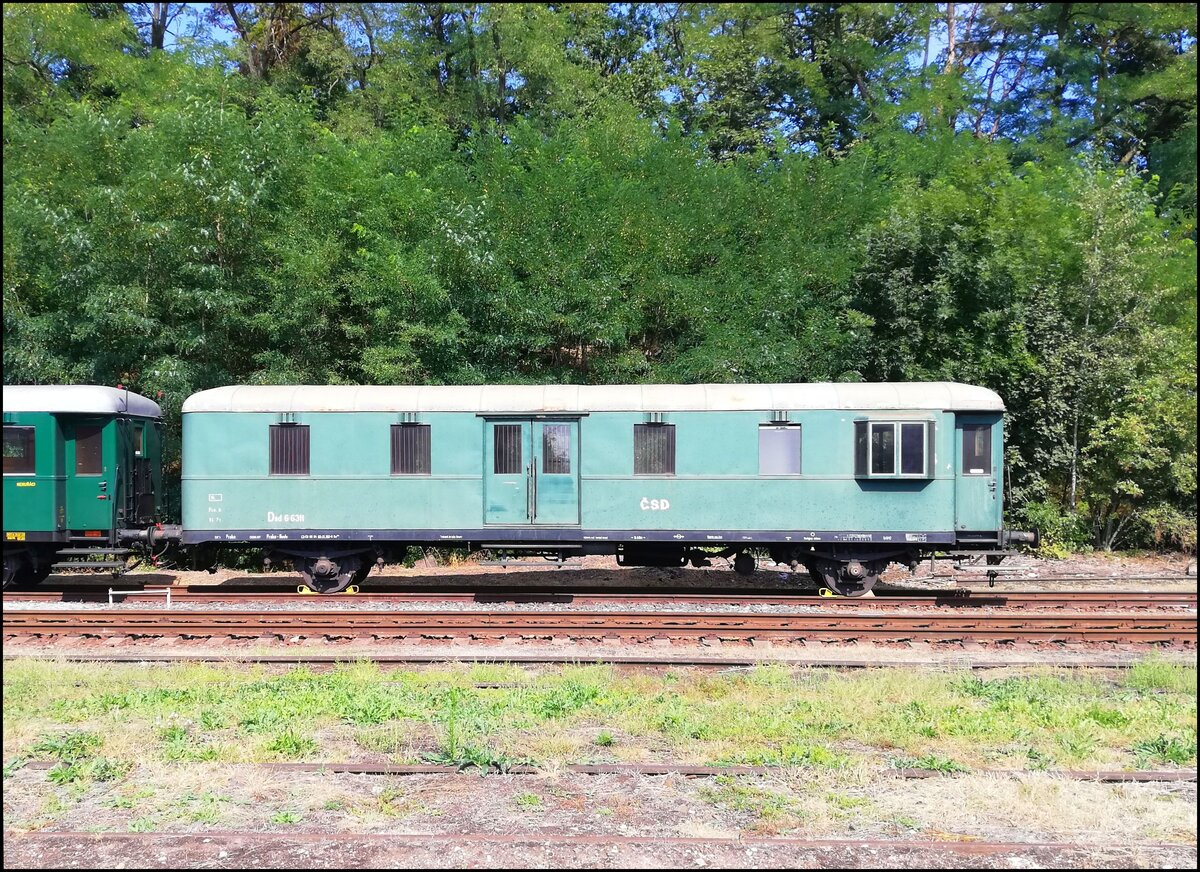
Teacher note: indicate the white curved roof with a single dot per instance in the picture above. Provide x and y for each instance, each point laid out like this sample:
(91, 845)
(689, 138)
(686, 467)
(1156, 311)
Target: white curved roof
(939, 396)
(78, 399)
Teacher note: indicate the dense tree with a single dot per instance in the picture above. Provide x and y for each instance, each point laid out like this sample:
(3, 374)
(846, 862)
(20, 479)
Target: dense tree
(450, 193)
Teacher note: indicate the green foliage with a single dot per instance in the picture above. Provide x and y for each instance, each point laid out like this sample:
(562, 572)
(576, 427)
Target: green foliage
(1165, 749)
(930, 762)
(468, 193)
(1154, 674)
(68, 747)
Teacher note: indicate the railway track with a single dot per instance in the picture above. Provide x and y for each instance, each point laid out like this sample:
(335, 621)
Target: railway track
(889, 599)
(262, 850)
(617, 626)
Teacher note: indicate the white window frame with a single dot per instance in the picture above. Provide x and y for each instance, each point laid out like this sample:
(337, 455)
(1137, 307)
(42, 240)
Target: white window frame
(899, 457)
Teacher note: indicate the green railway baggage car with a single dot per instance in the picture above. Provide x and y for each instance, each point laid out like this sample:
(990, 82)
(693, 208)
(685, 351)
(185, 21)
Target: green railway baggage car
(81, 462)
(839, 478)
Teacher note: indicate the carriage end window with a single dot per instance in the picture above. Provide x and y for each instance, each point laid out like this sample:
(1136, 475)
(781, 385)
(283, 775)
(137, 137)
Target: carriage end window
(410, 449)
(653, 449)
(289, 449)
(893, 449)
(89, 445)
(18, 451)
(977, 449)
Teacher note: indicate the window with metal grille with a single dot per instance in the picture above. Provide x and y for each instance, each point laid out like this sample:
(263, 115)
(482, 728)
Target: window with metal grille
(506, 450)
(556, 449)
(410, 449)
(977, 449)
(779, 449)
(88, 451)
(653, 449)
(18, 451)
(289, 449)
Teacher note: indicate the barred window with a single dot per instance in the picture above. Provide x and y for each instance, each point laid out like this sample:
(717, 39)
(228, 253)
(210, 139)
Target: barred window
(779, 449)
(88, 451)
(18, 451)
(977, 449)
(653, 449)
(289, 449)
(410, 449)
(506, 449)
(556, 449)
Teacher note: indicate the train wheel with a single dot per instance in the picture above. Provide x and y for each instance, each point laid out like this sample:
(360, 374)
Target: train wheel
(744, 563)
(325, 575)
(846, 577)
(12, 569)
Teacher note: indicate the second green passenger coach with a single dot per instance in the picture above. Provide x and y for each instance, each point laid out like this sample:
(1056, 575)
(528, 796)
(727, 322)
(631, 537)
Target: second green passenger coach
(839, 478)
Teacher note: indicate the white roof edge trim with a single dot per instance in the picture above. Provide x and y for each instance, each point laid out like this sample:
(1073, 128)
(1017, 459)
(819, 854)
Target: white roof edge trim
(871, 396)
(78, 399)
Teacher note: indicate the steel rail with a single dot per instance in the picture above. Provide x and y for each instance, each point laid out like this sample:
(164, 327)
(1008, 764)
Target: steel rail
(95, 840)
(819, 625)
(891, 599)
(1108, 776)
(684, 658)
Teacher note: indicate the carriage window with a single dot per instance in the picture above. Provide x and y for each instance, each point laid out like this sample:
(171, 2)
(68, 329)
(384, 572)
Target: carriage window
(653, 449)
(912, 449)
(88, 459)
(883, 449)
(289, 449)
(977, 449)
(410, 449)
(779, 449)
(892, 448)
(507, 449)
(556, 448)
(861, 447)
(18, 451)
(137, 441)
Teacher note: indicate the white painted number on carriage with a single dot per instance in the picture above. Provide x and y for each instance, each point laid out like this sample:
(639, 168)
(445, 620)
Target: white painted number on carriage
(273, 518)
(649, 505)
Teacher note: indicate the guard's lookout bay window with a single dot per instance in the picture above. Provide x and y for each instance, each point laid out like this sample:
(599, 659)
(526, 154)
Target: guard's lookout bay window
(893, 449)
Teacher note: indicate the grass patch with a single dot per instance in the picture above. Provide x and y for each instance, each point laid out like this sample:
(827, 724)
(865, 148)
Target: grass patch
(528, 801)
(771, 812)
(774, 715)
(930, 763)
(1165, 749)
(1156, 674)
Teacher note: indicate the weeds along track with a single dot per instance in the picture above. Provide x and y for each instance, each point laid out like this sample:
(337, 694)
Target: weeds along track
(624, 627)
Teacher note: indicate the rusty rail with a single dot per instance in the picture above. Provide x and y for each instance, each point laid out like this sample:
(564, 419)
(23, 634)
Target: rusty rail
(822, 625)
(890, 599)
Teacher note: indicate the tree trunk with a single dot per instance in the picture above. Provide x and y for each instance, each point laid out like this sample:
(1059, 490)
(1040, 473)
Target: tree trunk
(158, 24)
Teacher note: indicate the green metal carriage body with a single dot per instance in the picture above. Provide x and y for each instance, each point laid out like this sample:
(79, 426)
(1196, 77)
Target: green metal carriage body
(80, 462)
(719, 464)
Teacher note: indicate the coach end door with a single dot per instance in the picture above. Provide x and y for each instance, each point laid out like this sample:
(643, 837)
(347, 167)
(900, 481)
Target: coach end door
(531, 472)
